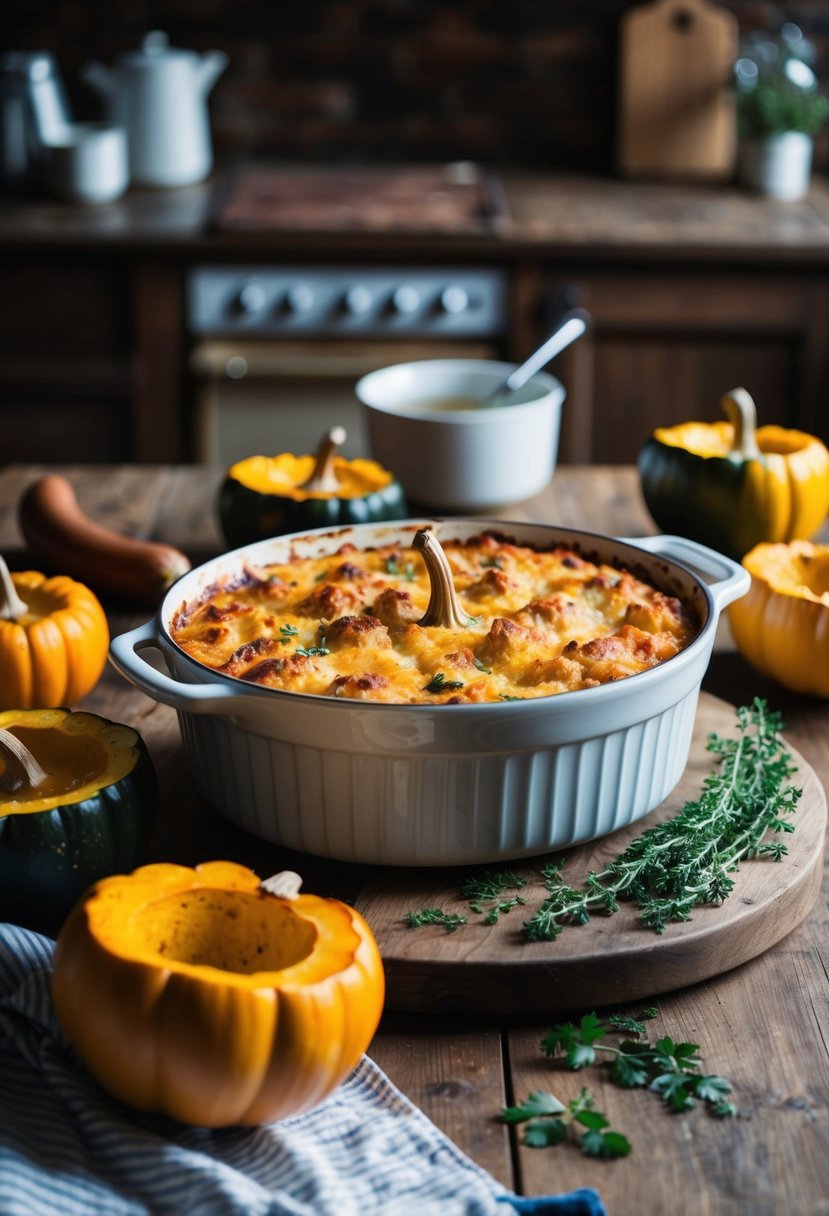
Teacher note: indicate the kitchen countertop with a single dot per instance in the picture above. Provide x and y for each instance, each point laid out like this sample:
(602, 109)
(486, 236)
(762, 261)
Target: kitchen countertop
(560, 215)
(762, 1025)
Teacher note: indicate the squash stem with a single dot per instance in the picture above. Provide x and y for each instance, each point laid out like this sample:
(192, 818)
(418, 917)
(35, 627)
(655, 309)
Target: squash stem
(742, 414)
(444, 607)
(12, 607)
(324, 480)
(21, 758)
(285, 884)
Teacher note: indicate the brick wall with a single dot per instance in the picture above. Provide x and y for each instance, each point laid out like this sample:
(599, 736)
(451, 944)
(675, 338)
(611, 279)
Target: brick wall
(505, 82)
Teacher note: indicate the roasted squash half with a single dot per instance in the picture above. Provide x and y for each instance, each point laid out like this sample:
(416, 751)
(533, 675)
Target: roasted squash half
(266, 496)
(88, 812)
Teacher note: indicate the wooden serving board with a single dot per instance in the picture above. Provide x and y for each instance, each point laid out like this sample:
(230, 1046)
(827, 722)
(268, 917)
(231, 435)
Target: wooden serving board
(493, 969)
(676, 109)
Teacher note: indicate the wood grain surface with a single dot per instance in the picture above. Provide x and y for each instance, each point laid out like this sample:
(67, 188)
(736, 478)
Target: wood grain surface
(612, 960)
(762, 1024)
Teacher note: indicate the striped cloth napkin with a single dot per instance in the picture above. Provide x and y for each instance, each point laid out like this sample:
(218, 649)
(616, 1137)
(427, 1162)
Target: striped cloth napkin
(67, 1148)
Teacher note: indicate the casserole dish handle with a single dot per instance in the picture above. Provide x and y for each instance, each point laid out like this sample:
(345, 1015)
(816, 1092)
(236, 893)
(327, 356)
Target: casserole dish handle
(731, 580)
(124, 654)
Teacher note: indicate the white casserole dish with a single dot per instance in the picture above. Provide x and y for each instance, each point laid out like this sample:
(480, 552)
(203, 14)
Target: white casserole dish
(420, 785)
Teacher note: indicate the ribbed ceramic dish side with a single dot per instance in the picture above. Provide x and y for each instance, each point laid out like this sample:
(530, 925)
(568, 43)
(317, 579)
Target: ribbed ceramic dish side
(440, 810)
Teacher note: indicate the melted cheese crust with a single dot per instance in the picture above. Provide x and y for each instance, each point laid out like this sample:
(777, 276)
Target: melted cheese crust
(541, 622)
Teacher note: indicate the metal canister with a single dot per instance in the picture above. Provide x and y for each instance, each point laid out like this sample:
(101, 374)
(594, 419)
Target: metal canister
(33, 111)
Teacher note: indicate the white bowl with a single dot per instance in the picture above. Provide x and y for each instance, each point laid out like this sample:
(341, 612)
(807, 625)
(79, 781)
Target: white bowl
(462, 458)
(437, 785)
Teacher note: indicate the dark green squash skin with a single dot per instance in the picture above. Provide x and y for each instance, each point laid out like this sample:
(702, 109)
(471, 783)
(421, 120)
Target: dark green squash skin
(702, 499)
(248, 515)
(49, 858)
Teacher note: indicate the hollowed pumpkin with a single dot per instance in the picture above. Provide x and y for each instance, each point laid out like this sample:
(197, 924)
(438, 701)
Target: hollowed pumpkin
(199, 994)
(781, 627)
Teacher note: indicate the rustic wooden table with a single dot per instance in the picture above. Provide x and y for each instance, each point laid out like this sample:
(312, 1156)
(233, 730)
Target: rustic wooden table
(763, 1024)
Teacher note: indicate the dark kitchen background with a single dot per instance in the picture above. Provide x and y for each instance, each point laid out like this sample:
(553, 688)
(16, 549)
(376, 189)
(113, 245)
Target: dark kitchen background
(507, 82)
(694, 286)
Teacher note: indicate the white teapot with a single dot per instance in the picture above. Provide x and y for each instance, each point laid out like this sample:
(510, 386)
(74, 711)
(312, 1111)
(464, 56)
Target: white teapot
(159, 95)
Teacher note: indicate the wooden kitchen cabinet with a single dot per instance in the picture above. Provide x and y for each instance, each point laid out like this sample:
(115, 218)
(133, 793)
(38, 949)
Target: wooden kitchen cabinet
(667, 342)
(90, 358)
(64, 360)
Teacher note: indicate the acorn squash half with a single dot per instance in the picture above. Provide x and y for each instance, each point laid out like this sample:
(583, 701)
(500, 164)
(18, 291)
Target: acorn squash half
(85, 809)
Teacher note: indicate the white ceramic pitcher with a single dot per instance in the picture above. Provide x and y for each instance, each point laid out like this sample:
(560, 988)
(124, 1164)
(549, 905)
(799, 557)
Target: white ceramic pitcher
(159, 95)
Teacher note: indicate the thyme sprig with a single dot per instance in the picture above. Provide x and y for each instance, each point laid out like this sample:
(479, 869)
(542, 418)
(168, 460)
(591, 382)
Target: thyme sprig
(686, 861)
(435, 916)
(484, 893)
(439, 683)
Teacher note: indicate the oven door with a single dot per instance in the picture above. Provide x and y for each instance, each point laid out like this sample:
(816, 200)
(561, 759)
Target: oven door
(262, 398)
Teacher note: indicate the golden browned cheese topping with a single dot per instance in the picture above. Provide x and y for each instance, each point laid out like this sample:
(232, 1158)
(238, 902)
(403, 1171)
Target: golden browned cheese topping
(540, 622)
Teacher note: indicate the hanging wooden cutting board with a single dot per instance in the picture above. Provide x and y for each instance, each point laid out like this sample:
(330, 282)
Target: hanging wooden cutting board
(493, 969)
(676, 109)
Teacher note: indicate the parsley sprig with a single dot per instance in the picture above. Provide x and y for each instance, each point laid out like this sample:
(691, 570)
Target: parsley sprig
(547, 1123)
(686, 861)
(671, 1070)
(668, 1069)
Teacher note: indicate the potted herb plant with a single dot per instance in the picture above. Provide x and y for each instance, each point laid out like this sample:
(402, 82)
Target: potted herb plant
(779, 111)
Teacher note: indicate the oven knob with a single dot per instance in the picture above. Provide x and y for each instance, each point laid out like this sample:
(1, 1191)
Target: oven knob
(357, 301)
(405, 299)
(454, 299)
(250, 299)
(299, 298)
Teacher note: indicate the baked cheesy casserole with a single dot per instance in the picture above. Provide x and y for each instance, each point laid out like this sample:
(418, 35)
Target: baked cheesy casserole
(516, 622)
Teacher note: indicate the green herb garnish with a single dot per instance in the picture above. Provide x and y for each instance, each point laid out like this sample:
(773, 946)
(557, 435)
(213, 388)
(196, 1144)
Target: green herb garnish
(439, 683)
(686, 861)
(547, 1122)
(435, 916)
(671, 1070)
(308, 651)
(483, 891)
(482, 666)
(393, 567)
(287, 632)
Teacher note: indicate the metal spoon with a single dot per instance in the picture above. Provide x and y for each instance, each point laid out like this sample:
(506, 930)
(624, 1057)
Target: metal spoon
(571, 326)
